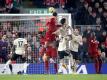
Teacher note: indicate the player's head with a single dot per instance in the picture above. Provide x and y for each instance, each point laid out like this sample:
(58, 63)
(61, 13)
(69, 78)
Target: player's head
(92, 35)
(76, 31)
(40, 34)
(20, 35)
(4, 37)
(54, 14)
(63, 21)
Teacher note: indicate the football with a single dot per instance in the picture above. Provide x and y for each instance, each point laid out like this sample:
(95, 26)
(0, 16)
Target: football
(51, 9)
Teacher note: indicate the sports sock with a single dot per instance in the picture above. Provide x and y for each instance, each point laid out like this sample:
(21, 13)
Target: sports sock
(11, 68)
(96, 65)
(47, 66)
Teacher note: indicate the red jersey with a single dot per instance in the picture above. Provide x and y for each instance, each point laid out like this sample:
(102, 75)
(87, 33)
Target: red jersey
(93, 48)
(52, 27)
(51, 24)
(51, 52)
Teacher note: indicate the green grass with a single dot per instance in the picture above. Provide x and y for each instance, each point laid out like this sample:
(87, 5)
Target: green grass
(54, 77)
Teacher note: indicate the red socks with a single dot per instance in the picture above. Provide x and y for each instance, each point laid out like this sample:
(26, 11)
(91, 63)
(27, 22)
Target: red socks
(98, 65)
(47, 66)
(56, 67)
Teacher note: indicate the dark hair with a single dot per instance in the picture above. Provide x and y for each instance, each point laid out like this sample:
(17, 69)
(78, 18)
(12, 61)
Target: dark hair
(62, 21)
(40, 32)
(20, 35)
(55, 14)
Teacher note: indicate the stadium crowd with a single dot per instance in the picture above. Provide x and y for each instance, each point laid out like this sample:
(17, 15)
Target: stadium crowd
(10, 6)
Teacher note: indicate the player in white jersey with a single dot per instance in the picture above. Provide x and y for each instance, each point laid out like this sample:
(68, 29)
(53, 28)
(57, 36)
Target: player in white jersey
(18, 50)
(75, 42)
(63, 33)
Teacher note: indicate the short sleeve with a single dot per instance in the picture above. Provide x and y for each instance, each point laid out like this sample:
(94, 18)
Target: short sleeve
(25, 41)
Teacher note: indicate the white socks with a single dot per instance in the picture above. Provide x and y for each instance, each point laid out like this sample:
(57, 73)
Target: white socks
(62, 67)
(25, 67)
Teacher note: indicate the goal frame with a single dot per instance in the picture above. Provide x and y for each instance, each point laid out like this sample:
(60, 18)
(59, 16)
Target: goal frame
(59, 14)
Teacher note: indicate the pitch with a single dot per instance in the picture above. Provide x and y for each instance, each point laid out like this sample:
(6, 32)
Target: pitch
(55, 77)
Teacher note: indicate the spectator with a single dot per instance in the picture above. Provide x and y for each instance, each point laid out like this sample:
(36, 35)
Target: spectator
(82, 14)
(92, 3)
(92, 18)
(29, 36)
(100, 11)
(2, 6)
(104, 20)
(105, 5)
(29, 53)
(3, 48)
(90, 10)
(98, 21)
(103, 37)
(84, 53)
(98, 32)
(97, 5)
(87, 32)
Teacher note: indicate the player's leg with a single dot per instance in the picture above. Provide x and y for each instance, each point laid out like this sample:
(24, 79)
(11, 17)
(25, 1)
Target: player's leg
(42, 51)
(46, 62)
(60, 61)
(25, 65)
(75, 61)
(71, 63)
(53, 55)
(62, 67)
(8, 63)
(62, 64)
(100, 64)
(47, 55)
(96, 64)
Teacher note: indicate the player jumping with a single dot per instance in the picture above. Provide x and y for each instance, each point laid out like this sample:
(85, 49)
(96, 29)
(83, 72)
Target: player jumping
(49, 51)
(63, 32)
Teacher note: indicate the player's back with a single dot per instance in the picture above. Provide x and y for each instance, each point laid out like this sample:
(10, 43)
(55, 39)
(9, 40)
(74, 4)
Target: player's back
(20, 45)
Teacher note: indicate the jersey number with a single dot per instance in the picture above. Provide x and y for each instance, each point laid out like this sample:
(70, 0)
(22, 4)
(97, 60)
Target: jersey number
(20, 43)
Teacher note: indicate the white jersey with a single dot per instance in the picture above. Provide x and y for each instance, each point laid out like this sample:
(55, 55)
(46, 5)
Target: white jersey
(75, 42)
(62, 45)
(20, 45)
(63, 32)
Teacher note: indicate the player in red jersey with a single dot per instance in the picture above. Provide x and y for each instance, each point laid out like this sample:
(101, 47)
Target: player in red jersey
(49, 50)
(95, 53)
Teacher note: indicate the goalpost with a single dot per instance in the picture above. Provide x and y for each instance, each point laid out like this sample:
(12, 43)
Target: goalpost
(29, 25)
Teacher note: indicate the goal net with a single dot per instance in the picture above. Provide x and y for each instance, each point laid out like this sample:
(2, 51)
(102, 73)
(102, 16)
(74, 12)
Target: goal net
(29, 25)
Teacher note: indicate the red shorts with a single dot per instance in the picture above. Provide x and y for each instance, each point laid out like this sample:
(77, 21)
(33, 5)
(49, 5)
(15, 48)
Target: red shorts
(50, 37)
(51, 52)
